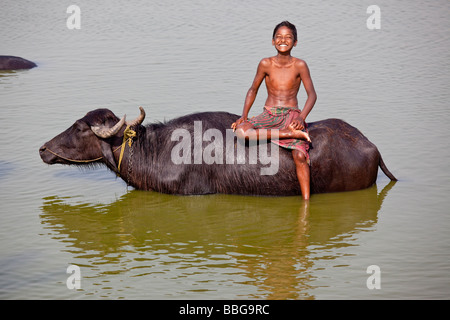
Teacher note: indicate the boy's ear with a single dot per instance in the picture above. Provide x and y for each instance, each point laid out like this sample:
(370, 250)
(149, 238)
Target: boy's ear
(295, 43)
(273, 41)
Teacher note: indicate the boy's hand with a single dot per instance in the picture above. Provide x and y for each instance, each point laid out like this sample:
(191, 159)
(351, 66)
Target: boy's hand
(298, 124)
(238, 122)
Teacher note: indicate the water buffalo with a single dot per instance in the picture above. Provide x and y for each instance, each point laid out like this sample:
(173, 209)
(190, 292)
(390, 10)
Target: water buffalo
(342, 158)
(15, 63)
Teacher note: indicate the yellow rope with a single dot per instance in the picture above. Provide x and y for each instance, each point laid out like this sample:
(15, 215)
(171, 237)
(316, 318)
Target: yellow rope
(128, 135)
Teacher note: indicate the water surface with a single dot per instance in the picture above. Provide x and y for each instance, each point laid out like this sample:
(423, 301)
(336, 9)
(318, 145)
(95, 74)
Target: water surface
(175, 58)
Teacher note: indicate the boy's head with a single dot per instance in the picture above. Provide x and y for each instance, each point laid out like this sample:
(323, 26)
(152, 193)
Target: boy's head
(286, 24)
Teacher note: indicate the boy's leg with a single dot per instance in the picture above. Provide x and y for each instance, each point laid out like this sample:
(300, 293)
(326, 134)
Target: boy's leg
(303, 172)
(247, 131)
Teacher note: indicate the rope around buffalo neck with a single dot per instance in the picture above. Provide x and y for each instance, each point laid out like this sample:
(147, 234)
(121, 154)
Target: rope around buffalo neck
(128, 135)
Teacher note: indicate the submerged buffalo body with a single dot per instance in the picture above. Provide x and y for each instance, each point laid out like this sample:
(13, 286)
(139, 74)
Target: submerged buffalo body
(15, 63)
(342, 158)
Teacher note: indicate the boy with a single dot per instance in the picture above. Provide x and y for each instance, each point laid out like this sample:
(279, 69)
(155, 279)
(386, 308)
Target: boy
(283, 75)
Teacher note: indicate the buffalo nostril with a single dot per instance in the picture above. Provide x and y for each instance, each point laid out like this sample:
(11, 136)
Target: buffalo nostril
(42, 149)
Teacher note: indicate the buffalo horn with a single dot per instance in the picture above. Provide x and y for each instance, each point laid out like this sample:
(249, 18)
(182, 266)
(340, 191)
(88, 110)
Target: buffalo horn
(138, 120)
(106, 132)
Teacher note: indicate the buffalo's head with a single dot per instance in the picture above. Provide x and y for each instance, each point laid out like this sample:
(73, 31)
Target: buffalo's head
(90, 139)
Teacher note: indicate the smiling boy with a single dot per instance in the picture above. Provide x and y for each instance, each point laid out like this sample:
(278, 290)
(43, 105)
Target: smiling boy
(283, 75)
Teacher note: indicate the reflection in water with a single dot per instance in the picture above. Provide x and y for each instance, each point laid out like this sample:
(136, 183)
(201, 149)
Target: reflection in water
(265, 243)
(6, 73)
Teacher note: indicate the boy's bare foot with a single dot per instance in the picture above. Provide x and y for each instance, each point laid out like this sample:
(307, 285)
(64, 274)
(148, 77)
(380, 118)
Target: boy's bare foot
(298, 134)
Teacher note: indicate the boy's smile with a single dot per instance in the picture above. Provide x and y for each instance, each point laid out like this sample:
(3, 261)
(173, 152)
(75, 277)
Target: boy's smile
(284, 40)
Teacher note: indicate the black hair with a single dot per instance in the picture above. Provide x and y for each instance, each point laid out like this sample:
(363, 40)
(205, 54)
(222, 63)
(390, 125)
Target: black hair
(285, 24)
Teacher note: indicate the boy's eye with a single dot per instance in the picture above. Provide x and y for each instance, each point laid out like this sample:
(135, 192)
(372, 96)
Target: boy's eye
(279, 37)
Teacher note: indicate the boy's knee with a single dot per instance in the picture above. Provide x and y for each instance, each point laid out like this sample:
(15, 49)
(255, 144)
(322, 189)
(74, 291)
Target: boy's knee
(299, 157)
(240, 132)
(243, 130)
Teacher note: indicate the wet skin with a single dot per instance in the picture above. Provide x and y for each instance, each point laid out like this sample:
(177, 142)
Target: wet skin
(283, 75)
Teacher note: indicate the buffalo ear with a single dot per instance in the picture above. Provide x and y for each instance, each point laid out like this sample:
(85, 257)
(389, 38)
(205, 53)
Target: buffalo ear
(108, 156)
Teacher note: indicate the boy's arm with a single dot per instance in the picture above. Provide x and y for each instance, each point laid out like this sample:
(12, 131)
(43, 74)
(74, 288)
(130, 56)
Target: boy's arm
(311, 93)
(252, 92)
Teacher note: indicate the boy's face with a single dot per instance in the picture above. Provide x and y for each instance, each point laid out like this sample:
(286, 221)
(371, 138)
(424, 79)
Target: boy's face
(284, 40)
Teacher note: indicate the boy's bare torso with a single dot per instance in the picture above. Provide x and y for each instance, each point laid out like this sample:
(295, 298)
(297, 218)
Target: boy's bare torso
(282, 81)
